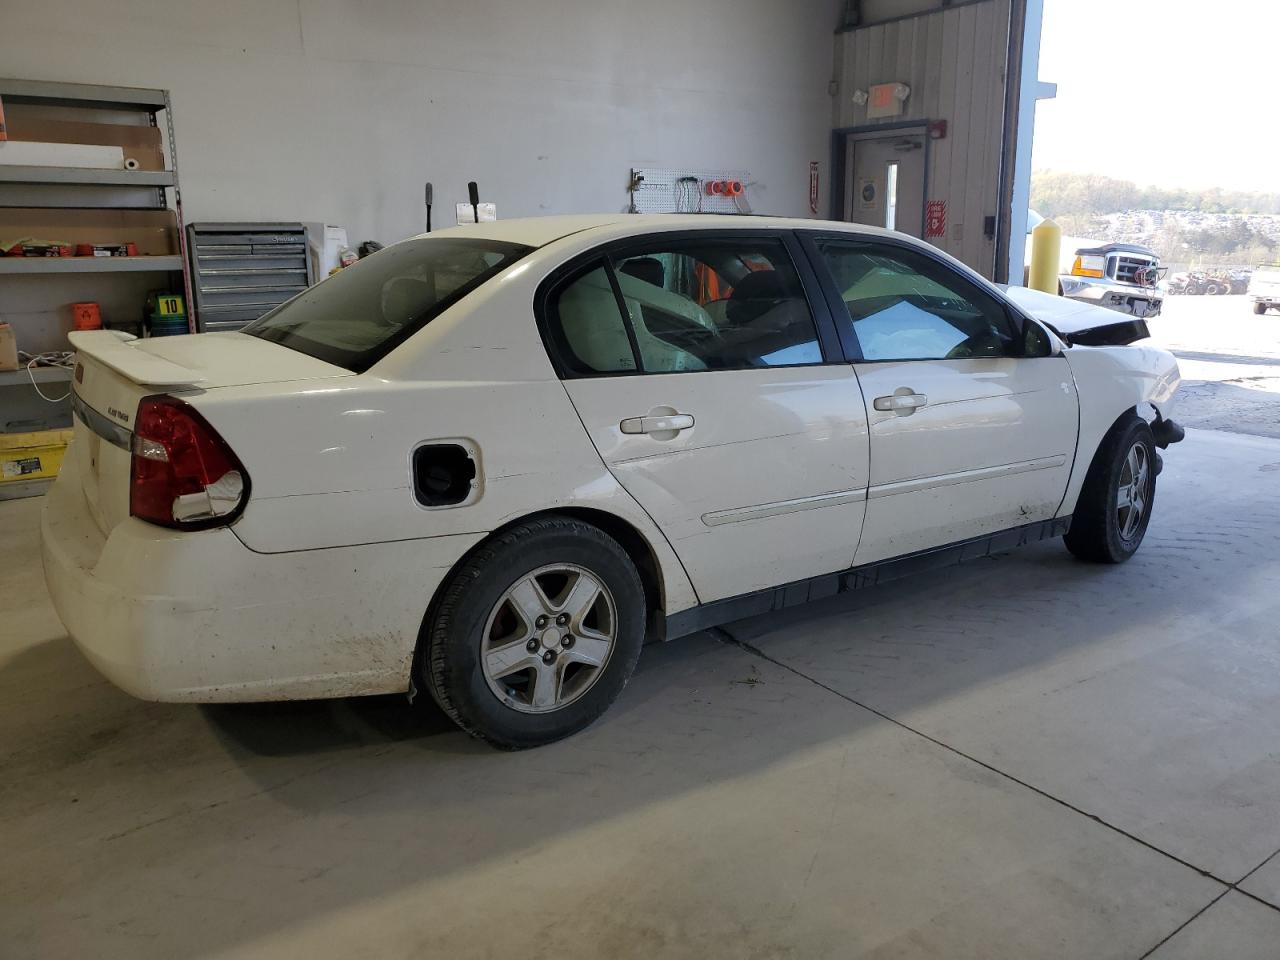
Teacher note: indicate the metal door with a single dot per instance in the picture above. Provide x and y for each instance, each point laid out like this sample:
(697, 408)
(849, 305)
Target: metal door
(886, 183)
(972, 419)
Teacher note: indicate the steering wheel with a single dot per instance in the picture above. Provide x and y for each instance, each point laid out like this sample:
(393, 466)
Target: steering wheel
(975, 347)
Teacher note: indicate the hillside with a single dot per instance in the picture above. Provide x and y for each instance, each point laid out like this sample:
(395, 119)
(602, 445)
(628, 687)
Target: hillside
(1188, 228)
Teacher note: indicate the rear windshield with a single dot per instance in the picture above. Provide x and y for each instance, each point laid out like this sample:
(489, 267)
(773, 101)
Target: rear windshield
(361, 313)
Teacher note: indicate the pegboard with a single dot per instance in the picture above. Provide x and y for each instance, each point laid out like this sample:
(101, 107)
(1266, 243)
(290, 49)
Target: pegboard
(661, 191)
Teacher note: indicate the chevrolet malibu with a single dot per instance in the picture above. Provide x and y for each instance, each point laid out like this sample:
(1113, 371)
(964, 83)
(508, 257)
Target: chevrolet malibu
(492, 461)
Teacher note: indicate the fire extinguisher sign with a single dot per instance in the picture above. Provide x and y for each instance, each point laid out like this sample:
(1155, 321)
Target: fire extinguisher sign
(813, 187)
(935, 219)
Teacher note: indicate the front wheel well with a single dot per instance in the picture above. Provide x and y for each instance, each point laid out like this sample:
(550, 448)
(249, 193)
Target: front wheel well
(1144, 411)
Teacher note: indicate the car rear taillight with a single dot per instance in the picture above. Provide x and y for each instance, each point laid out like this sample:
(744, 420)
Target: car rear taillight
(183, 475)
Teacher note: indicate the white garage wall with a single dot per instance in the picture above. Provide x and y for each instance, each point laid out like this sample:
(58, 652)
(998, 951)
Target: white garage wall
(339, 110)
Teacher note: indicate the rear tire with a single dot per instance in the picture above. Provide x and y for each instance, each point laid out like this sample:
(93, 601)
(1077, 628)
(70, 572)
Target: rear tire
(535, 634)
(1259, 308)
(1115, 504)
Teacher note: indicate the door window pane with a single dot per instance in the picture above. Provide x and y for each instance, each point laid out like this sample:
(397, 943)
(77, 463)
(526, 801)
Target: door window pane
(717, 305)
(891, 196)
(907, 306)
(587, 329)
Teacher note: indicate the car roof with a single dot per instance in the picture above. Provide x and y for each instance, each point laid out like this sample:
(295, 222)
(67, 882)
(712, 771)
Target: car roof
(540, 231)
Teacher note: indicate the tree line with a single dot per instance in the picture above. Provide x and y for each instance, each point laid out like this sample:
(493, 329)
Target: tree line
(1057, 194)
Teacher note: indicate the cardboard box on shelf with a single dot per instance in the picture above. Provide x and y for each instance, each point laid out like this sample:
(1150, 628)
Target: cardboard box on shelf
(8, 348)
(31, 121)
(154, 232)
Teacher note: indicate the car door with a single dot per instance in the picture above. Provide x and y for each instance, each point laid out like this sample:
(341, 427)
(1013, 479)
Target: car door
(706, 370)
(972, 418)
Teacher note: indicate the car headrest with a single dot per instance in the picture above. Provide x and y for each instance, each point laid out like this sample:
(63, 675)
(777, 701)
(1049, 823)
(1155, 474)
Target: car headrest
(754, 295)
(406, 298)
(648, 269)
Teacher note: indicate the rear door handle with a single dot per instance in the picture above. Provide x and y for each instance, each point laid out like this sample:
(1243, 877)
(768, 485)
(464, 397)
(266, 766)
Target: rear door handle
(903, 402)
(671, 423)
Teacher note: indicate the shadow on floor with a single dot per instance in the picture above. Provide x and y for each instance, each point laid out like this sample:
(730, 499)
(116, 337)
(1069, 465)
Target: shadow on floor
(317, 726)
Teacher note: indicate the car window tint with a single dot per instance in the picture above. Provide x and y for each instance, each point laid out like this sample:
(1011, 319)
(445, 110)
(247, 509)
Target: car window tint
(718, 304)
(362, 312)
(906, 306)
(588, 328)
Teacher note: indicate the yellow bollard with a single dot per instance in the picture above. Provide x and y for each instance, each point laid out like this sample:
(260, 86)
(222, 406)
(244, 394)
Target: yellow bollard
(1046, 257)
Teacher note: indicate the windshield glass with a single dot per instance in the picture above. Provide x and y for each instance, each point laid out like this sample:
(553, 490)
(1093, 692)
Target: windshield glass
(361, 313)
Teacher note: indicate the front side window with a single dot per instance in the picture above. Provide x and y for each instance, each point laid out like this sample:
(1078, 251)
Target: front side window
(715, 304)
(358, 315)
(906, 306)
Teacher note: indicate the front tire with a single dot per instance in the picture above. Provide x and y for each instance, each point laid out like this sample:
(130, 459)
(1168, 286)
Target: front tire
(535, 634)
(1260, 308)
(1115, 504)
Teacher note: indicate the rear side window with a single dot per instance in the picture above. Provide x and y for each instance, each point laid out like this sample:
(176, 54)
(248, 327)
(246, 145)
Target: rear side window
(361, 313)
(715, 304)
(906, 306)
(587, 326)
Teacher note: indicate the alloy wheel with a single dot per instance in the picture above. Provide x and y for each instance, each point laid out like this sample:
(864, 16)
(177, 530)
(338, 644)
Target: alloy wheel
(1132, 493)
(548, 638)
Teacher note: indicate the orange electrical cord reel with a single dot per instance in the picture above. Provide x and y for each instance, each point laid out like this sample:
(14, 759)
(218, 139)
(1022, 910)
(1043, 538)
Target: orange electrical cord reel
(724, 188)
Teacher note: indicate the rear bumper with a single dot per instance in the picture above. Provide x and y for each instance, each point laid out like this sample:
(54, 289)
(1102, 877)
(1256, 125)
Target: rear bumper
(1125, 298)
(176, 616)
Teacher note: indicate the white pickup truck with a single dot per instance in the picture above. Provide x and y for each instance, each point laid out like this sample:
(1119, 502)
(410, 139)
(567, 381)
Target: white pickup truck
(1264, 287)
(1118, 276)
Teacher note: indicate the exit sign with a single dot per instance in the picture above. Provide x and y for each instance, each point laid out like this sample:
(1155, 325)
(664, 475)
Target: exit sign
(886, 100)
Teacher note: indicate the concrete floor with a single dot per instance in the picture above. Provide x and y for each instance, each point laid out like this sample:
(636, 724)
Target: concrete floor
(1021, 757)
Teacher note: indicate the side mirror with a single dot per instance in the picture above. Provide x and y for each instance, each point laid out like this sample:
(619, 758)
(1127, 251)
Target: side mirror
(1036, 341)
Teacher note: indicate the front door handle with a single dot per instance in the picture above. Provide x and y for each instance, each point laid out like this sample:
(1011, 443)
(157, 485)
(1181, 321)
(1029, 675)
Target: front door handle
(670, 423)
(902, 401)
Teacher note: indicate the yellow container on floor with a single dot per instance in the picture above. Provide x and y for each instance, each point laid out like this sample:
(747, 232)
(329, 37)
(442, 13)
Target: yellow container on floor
(32, 456)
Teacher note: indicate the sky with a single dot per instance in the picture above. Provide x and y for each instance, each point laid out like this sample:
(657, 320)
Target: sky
(1172, 93)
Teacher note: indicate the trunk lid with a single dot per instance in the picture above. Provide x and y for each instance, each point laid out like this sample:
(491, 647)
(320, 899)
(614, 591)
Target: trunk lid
(114, 371)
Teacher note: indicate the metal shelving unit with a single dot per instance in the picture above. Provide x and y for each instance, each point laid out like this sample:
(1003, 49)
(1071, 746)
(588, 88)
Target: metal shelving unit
(83, 95)
(13, 173)
(36, 266)
(42, 375)
(27, 186)
(83, 205)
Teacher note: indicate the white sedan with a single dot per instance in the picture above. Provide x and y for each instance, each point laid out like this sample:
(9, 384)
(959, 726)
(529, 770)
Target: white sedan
(492, 461)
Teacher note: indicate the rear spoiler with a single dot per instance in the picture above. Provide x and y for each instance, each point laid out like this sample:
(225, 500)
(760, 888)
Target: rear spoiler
(122, 353)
